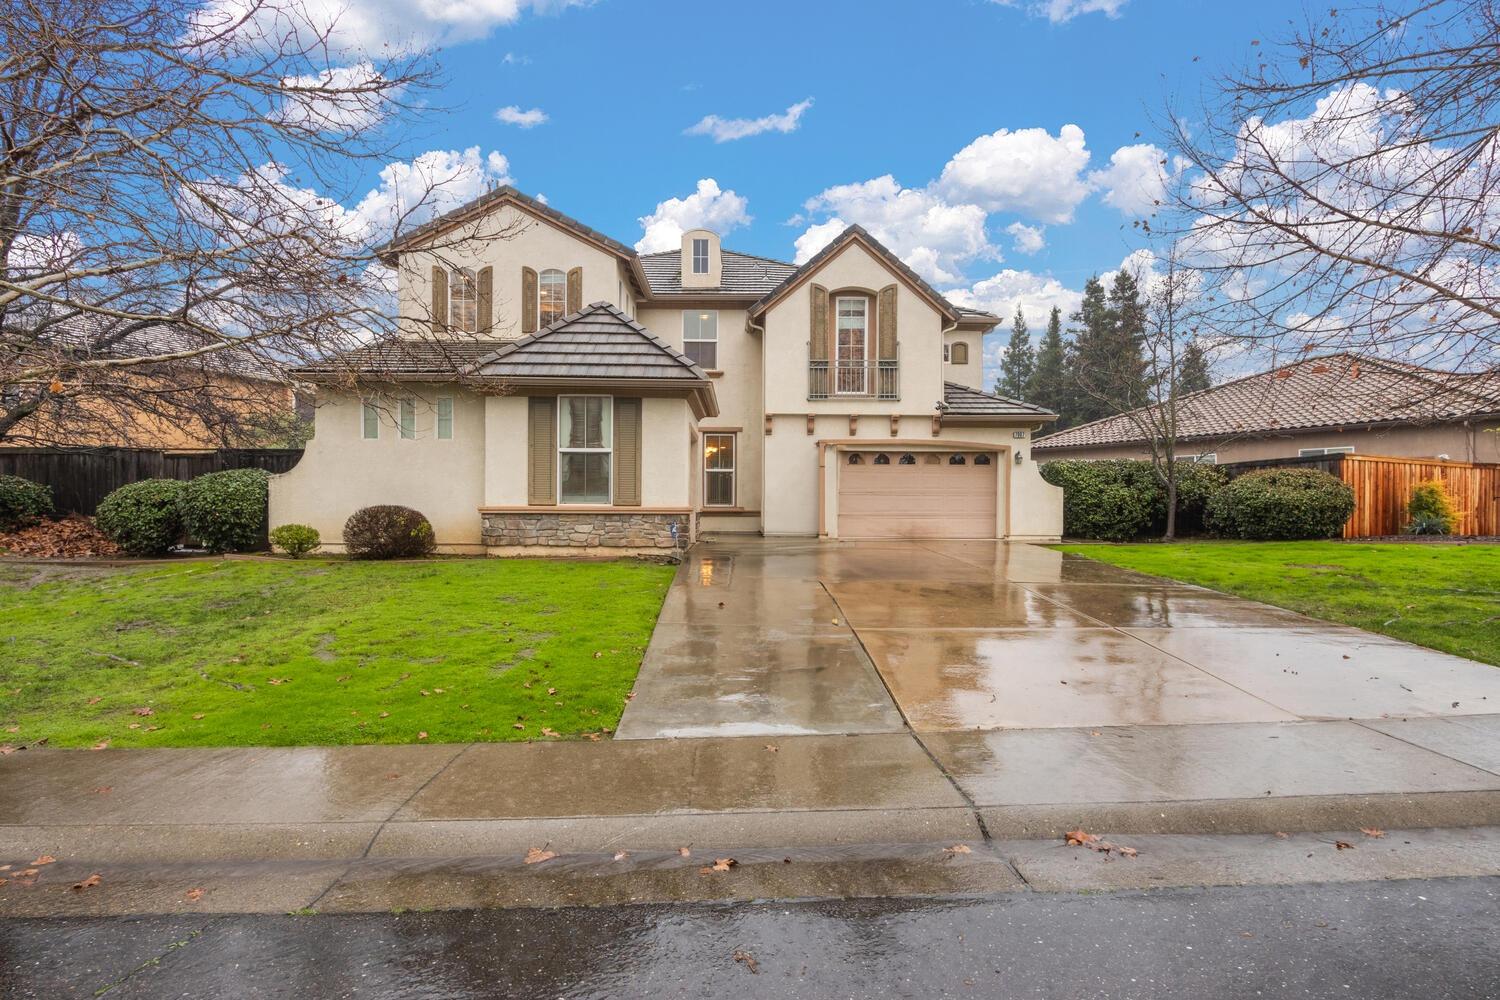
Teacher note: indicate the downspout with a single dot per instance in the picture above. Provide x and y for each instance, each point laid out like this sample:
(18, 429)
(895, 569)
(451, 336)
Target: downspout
(943, 375)
(749, 326)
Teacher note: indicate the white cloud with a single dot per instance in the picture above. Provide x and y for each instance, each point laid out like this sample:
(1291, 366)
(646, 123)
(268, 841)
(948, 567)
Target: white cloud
(1036, 294)
(729, 129)
(708, 207)
(1028, 171)
(511, 114)
(1026, 239)
(1060, 11)
(1135, 182)
(338, 99)
(434, 182)
(931, 235)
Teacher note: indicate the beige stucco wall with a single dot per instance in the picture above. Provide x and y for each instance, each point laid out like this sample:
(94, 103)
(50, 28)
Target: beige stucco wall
(1461, 444)
(340, 471)
(971, 374)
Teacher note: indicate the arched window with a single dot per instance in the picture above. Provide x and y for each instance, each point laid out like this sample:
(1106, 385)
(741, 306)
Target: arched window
(552, 296)
(908, 459)
(981, 460)
(882, 460)
(463, 300)
(855, 458)
(959, 354)
(956, 459)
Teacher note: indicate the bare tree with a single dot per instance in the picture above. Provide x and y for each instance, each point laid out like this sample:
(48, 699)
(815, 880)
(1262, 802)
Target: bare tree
(173, 183)
(1344, 193)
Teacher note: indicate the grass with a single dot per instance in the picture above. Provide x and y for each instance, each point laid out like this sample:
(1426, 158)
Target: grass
(321, 652)
(1442, 596)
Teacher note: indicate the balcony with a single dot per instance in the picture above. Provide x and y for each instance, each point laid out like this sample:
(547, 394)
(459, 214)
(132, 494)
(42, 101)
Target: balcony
(865, 378)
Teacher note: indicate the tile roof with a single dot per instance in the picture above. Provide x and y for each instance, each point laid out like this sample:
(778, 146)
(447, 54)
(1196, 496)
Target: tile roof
(597, 342)
(743, 275)
(408, 358)
(962, 401)
(1333, 391)
(483, 203)
(90, 334)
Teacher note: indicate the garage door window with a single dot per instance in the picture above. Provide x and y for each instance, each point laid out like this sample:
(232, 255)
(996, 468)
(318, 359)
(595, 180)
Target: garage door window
(956, 460)
(908, 460)
(718, 470)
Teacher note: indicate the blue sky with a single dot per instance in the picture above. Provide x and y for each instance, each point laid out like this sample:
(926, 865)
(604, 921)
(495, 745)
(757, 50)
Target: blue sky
(604, 97)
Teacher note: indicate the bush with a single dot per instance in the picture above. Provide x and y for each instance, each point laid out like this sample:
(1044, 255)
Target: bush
(143, 518)
(226, 511)
(1281, 504)
(1120, 499)
(1431, 509)
(1197, 482)
(388, 532)
(22, 503)
(296, 540)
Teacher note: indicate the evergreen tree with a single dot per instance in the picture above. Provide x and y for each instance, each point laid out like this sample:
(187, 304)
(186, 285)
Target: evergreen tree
(1048, 384)
(1089, 360)
(1192, 369)
(1018, 362)
(1127, 387)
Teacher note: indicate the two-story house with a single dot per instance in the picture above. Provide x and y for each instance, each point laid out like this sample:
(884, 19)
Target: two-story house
(558, 389)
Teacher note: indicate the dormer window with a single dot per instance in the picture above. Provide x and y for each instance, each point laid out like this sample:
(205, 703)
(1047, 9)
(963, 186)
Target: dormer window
(700, 256)
(552, 296)
(463, 300)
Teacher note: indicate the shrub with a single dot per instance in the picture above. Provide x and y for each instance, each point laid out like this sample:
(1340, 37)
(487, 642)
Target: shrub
(1197, 482)
(22, 502)
(1431, 509)
(388, 532)
(1281, 504)
(296, 540)
(226, 511)
(143, 518)
(1120, 499)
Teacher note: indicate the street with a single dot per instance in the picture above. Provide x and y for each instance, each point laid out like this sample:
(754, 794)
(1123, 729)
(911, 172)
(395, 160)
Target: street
(1433, 937)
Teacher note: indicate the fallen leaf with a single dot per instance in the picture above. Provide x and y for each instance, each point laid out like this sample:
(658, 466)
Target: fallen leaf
(519, 725)
(598, 656)
(143, 710)
(45, 859)
(385, 715)
(88, 883)
(273, 681)
(193, 895)
(437, 691)
(1343, 845)
(685, 852)
(424, 694)
(747, 960)
(96, 699)
(134, 725)
(550, 732)
(197, 715)
(1282, 836)
(723, 864)
(101, 745)
(104, 789)
(422, 735)
(621, 855)
(772, 747)
(536, 856)
(26, 873)
(12, 729)
(1077, 838)
(5, 868)
(1128, 852)
(593, 737)
(1370, 831)
(6, 750)
(958, 849)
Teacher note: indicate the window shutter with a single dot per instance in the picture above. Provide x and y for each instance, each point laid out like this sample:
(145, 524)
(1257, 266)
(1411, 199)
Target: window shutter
(439, 299)
(486, 299)
(541, 450)
(818, 324)
(528, 300)
(960, 354)
(627, 473)
(885, 323)
(575, 290)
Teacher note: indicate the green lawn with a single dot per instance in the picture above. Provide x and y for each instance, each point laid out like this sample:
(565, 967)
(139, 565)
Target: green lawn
(1443, 596)
(276, 653)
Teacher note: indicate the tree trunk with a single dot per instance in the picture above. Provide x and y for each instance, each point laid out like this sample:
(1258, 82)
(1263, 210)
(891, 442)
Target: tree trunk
(1171, 531)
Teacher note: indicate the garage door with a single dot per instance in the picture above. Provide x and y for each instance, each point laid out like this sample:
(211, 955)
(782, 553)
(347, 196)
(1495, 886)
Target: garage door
(917, 495)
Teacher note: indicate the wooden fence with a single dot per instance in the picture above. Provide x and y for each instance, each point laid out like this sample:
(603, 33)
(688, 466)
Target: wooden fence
(81, 477)
(1382, 486)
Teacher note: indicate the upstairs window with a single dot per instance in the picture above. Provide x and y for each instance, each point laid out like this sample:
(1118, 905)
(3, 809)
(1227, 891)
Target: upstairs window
(851, 349)
(700, 256)
(463, 300)
(552, 296)
(700, 338)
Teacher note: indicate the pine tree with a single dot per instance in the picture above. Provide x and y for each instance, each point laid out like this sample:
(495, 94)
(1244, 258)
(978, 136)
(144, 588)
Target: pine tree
(1127, 387)
(1192, 370)
(1090, 357)
(1018, 362)
(1048, 384)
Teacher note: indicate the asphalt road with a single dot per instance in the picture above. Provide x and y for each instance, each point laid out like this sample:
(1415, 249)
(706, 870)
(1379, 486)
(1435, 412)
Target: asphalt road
(1430, 938)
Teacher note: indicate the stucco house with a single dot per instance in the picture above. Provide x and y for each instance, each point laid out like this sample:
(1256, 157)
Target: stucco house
(558, 389)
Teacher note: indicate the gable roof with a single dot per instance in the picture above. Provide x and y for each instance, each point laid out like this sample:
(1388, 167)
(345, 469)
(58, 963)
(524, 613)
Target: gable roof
(742, 275)
(856, 234)
(597, 342)
(1335, 390)
(963, 401)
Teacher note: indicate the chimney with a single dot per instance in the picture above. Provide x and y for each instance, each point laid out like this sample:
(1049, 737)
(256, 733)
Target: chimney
(702, 265)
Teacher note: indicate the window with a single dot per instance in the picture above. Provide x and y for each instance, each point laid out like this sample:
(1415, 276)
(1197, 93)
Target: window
(1341, 450)
(852, 345)
(947, 353)
(960, 353)
(585, 443)
(552, 296)
(445, 418)
(700, 256)
(463, 300)
(882, 460)
(1206, 458)
(908, 459)
(855, 458)
(718, 470)
(370, 420)
(981, 460)
(700, 338)
(956, 460)
(408, 419)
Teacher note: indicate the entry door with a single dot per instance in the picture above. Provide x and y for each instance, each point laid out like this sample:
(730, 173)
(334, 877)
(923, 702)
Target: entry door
(917, 495)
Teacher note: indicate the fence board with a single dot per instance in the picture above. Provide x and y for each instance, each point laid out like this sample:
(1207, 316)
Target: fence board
(81, 477)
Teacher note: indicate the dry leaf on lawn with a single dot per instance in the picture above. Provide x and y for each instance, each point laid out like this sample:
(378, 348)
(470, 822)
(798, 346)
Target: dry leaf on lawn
(550, 732)
(143, 710)
(6, 750)
(536, 856)
(88, 883)
(519, 725)
(197, 715)
(101, 745)
(552, 690)
(422, 735)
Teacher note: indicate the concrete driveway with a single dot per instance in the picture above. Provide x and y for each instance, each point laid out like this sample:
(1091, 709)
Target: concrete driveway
(779, 637)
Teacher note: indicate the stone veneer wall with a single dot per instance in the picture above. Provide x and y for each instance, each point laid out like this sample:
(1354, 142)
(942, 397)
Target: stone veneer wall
(586, 529)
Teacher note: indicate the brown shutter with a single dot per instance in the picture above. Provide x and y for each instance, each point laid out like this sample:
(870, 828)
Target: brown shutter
(486, 299)
(575, 290)
(627, 452)
(528, 300)
(959, 354)
(885, 323)
(817, 348)
(541, 448)
(439, 299)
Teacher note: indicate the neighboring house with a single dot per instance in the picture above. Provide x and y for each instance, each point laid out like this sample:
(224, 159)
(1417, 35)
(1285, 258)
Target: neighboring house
(605, 398)
(1338, 404)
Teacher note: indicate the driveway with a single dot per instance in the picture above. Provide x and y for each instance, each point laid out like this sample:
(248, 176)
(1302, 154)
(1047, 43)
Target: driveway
(801, 637)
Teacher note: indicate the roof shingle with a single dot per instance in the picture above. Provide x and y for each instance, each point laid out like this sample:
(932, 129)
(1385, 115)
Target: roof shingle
(742, 275)
(962, 401)
(597, 342)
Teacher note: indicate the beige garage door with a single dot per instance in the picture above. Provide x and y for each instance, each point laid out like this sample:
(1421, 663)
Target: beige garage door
(918, 495)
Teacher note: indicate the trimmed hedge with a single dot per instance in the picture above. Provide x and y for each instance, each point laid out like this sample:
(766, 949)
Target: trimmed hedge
(1117, 500)
(226, 511)
(143, 518)
(1281, 504)
(296, 540)
(388, 532)
(22, 503)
